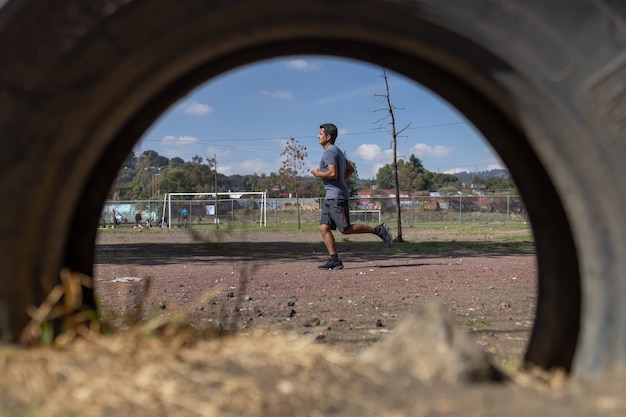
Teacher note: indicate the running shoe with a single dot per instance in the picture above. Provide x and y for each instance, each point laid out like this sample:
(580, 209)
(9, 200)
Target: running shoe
(332, 264)
(382, 231)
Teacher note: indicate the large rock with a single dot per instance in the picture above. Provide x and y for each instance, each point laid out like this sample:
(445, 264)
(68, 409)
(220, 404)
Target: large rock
(429, 346)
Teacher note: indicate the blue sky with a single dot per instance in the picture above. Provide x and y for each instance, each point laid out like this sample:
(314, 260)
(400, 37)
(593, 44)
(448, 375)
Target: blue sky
(244, 118)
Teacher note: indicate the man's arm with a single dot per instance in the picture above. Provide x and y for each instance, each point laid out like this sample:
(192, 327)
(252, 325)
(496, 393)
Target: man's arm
(349, 170)
(329, 174)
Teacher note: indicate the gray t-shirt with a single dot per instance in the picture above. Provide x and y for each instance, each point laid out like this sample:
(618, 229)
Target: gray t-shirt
(335, 188)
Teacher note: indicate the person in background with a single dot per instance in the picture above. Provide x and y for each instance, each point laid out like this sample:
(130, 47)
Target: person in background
(184, 214)
(114, 220)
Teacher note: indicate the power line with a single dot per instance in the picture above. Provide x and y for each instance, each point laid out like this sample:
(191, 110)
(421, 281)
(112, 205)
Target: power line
(151, 138)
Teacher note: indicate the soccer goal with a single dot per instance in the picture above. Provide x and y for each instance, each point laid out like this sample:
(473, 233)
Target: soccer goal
(365, 216)
(187, 209)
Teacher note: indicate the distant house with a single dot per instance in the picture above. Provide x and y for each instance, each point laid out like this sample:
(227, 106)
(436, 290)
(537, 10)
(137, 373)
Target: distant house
(478, 189)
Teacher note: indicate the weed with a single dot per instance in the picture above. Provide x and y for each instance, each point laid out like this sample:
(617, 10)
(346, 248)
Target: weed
(477, 322)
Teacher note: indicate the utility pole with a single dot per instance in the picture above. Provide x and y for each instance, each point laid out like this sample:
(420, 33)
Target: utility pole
(217, 219)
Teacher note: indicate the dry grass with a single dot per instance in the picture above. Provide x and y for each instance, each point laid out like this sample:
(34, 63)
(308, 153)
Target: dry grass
(166, 370)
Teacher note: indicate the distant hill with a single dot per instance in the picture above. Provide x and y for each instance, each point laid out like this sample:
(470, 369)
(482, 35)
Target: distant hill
(467, 177)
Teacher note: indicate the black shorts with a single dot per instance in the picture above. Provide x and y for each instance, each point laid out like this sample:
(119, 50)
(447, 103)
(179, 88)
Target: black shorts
(336, 213)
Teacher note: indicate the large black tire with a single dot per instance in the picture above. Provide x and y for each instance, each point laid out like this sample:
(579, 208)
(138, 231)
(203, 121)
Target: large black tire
(81, 80)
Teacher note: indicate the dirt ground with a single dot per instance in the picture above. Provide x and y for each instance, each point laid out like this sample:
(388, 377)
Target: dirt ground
(270, 281)
(298, 334)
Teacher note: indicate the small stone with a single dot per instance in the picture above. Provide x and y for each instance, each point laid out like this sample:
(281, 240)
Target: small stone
(312, 322)
(379, 323)
(288, 313)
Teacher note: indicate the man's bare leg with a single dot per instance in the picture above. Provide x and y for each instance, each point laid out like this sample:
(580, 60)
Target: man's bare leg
(328, 238)
(381, 231)
(358, 229)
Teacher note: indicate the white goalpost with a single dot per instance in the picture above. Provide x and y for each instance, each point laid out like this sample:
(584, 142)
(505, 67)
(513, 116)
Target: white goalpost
(212, 209)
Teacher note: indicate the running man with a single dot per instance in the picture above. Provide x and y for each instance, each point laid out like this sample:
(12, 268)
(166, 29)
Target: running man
(334, 170)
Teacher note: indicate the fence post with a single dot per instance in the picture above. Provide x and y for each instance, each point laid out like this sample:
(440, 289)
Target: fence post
(508, 208)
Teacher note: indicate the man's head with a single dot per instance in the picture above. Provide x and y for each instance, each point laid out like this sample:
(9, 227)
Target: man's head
(331, 130)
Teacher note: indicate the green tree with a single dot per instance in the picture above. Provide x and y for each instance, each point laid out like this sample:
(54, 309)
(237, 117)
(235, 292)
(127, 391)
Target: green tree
(478, 180)
(440, 180)
(153, 159)
(411, 177)
(448, 191)
(264, 182)
(352, 182)
(174, 180)
(200, 175)
(385, 177)
(368, 184)
(499, 185)
(253, 182)
(176, 162)
(416, 162)
(141, 182)
(236, 182)
(311, 187)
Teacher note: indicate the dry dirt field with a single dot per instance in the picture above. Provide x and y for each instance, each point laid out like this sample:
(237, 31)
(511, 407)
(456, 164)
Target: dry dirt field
(246, 281)
(228, 324)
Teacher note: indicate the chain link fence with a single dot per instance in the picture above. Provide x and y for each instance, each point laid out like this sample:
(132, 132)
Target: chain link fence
(246, 212)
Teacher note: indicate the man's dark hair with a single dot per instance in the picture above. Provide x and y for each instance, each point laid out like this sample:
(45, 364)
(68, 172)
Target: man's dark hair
(330, 129)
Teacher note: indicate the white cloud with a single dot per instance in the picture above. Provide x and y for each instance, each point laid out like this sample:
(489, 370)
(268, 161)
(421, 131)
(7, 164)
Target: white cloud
(196, 109)
(368, 152)
(281, 95)
(184, 147)
(496, 165)
(227, 170)
(456, 170)
(302, 65)
(474, 168)
(375, 156)
(179, 140)
(422, 150)
(373, 153)
(252, 165)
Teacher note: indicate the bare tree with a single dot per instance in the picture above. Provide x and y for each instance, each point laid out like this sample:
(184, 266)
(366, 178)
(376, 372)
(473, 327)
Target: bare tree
(292, 167)
(394, 134)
